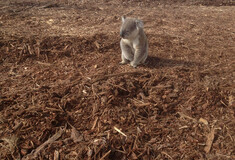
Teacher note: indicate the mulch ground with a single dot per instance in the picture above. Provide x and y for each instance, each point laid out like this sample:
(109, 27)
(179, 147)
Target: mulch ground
(63, 94)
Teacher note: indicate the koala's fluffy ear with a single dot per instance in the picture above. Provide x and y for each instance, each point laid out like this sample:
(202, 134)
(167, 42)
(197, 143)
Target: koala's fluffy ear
(139, 23)
(123, 18)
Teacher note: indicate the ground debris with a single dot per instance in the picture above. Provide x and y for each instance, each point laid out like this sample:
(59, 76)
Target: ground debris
(209, 141)
(35, 152)
(59, 65)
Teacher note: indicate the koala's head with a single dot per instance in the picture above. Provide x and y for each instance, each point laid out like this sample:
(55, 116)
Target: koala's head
(130, 27)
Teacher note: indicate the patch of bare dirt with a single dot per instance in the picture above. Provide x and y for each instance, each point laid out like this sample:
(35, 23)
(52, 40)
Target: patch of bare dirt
(63, 94)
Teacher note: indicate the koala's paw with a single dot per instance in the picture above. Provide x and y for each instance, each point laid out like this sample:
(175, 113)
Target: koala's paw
(133, 64)
(123, 62)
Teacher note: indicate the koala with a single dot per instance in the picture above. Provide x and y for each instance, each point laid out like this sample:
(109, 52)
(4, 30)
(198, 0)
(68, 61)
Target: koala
(134, 43)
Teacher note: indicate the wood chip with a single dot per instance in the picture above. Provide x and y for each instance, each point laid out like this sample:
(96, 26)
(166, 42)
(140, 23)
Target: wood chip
(163, 86)
(186, 116)
(209, 141)
(35, 152)
(202, 120)
(166, 154)
(142, 104)
(97, 45)
(133, 156)
(89, 153)
(42, 63)
(76, 137)
(94, 124)
(230, 100)
(56, 155)
(18, 125)
(103, 77)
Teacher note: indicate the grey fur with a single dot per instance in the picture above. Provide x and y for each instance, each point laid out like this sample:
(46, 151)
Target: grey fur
(134, 43)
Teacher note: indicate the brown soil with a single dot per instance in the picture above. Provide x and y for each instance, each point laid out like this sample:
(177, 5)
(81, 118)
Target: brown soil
(63, 94)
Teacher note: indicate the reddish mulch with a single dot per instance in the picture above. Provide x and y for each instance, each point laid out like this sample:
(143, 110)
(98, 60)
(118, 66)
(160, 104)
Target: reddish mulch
(63, 94)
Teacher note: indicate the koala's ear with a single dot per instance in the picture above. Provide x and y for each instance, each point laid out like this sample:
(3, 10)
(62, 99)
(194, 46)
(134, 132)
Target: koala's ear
(123, 18)
(139, 23)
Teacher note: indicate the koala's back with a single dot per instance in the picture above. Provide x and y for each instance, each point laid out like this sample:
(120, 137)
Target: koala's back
(143, 41)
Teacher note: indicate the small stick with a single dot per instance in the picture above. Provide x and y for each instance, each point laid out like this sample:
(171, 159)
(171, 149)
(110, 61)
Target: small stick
(42, 63)
(94, 124)
(185, 116)
(166, 154)
(34, 153)
(142, 104)
(163, 86)
(105, 155)
(119, 131)
(117, 86)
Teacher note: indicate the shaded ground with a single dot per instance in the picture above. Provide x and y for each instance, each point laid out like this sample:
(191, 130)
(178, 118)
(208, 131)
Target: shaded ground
(64, 96)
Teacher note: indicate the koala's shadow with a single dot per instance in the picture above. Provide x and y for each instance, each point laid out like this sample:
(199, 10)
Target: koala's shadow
(157, 62)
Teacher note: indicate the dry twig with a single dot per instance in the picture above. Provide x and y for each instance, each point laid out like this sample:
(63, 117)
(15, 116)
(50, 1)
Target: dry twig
(35, 152)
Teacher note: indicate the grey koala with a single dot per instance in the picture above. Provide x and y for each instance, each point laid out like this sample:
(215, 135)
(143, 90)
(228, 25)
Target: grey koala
(134, 43)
